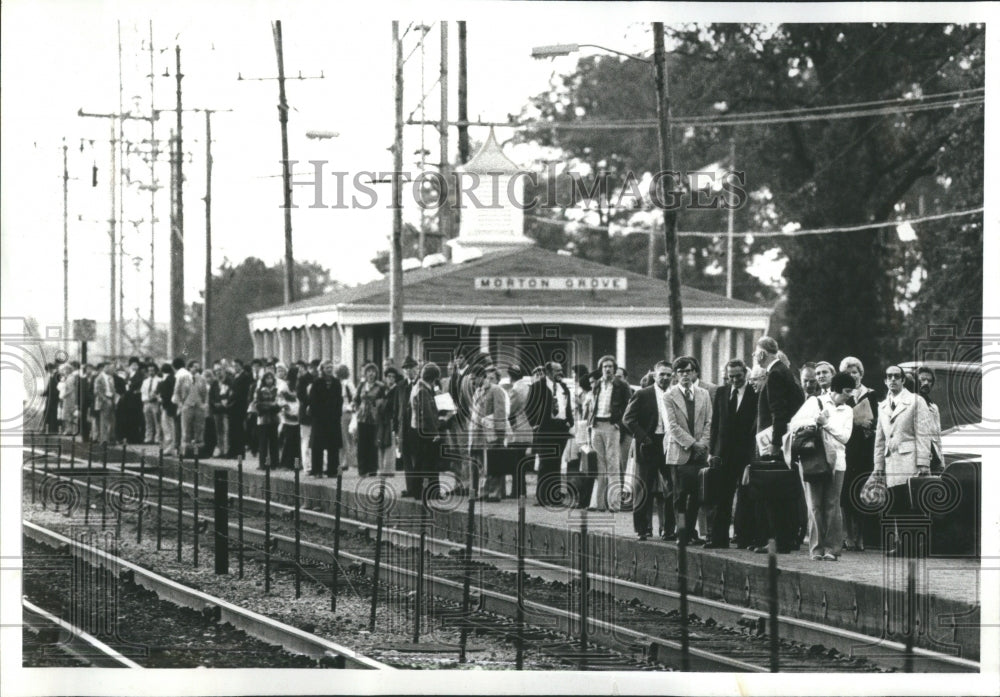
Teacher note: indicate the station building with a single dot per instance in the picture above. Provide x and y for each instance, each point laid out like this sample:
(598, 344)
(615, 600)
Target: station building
(523, 304)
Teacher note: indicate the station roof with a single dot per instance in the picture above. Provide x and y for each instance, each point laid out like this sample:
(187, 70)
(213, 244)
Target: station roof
(455, 285)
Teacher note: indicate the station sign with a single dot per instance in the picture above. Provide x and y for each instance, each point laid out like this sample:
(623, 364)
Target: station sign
(551, 283)
(84, 330)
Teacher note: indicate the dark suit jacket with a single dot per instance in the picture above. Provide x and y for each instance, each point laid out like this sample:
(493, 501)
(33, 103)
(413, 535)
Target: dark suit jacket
(733, 434)
(539, 409)
(302, 394)
(620, 394)
(779, 400)
(423, 405)
(326, 405)
(238, 395)
(642, 415)
(401, 423)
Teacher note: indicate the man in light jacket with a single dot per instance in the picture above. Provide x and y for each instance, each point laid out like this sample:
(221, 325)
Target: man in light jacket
(686, 446)
(903, 432)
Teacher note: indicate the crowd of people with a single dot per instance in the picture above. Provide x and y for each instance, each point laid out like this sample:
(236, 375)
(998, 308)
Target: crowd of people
(710, 461)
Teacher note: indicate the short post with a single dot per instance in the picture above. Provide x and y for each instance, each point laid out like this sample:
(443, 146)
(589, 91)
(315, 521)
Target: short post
(142, 500)
(104, 499)
(298, 538)
(45, 476)
(911, 611)
(584, 589)
(159, 504)
(239, 511)
(86, 492)
(124, 453)
(418, 607)
(267, 530)
(197, 481)
(683, 589)
(33, 483)
(221, 521)
(378, 553)
(772, 598)
(180, 505)
(58, 456)
(72, 449)
(520, 576)
(467, 576)
(334, 577)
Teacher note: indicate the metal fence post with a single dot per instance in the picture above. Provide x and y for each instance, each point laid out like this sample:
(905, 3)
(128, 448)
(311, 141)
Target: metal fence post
(682, 587)
(298, 538)
(467, 576)
(772, 598)
(197, 481)
(239, 510)
(267, 530)
(334, 577)
(378, 554)
(221, 537)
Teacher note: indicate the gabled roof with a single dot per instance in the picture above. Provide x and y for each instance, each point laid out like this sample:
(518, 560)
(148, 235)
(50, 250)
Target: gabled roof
(454, 285)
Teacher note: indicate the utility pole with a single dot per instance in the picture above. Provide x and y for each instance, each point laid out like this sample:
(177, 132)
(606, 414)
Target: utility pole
(444, 205)
(463, 97)
(153, 188)
(396, 342)
(206, 320)
(121, 200)
(667, 187)
(65, 150)
(286, 176)
(177, 228)
(729, 237)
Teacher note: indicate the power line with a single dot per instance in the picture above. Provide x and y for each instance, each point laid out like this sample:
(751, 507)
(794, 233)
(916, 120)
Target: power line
(795, 233)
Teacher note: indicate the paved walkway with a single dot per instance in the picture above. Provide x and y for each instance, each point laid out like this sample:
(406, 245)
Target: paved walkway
(956, 579)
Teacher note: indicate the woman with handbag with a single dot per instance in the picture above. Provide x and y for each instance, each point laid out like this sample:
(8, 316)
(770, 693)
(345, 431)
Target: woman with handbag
(860, 455)
(818, 435)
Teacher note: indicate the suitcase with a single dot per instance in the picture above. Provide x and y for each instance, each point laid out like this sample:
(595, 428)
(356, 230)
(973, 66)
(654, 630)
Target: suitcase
(775, 490)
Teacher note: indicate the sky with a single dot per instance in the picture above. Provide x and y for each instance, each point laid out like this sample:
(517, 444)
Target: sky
(61, 56)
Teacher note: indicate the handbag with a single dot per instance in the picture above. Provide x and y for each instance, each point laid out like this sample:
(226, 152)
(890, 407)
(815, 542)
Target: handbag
(809, 451)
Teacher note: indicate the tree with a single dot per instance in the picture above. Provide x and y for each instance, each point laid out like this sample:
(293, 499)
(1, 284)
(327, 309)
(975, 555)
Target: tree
(845, 292)
(239, 290)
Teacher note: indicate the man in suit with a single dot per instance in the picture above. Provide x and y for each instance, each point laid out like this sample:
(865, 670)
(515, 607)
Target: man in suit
(686, 449)
(326, 404)
(734, 423)
(405, 437)
(306, 376)
(903, 432)
(424, 425)
(647, 419)
(237, 409)
(550, 413)
(780, 397)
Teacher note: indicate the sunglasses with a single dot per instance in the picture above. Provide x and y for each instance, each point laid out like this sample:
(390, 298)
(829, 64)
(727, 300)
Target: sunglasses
(893, 376)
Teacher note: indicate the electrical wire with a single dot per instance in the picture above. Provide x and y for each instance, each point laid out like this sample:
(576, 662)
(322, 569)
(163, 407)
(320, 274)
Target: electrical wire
(769, 233)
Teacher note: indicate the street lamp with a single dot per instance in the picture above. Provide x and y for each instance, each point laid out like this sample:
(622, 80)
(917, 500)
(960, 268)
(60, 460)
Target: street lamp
(666, 181)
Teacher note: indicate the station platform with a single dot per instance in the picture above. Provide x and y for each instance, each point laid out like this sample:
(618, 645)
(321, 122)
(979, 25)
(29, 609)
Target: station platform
(863, 592)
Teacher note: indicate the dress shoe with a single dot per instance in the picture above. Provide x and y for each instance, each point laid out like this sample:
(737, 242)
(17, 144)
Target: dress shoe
(695, 540)
(643, 536)
(668, 536)
(817, 557)
(715, 545)
(829, 556)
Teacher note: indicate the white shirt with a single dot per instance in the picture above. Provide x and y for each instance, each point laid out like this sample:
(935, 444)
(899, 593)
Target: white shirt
(148, 389)
(836, 431)
(740, 391)
(560, 397)
(604, 400)
(661, 407)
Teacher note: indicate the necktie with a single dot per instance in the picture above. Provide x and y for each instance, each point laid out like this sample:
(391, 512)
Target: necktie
(892, 405)
(733, 400)
(555, 403)
(687, 395)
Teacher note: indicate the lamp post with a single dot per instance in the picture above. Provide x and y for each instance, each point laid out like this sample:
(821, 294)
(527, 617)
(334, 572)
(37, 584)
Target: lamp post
(666, 182)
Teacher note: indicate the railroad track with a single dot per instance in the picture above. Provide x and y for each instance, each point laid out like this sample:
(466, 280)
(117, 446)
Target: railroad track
(70, 640)
(891, 654)
(258, 626)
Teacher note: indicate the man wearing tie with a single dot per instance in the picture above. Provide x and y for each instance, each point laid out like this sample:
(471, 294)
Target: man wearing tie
(647, 420)
(690, 410)
(734, 422)
(550, 413)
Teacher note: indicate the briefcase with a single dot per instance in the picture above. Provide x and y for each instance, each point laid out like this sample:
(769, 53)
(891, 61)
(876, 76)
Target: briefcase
(772, 480)
(710, 482)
